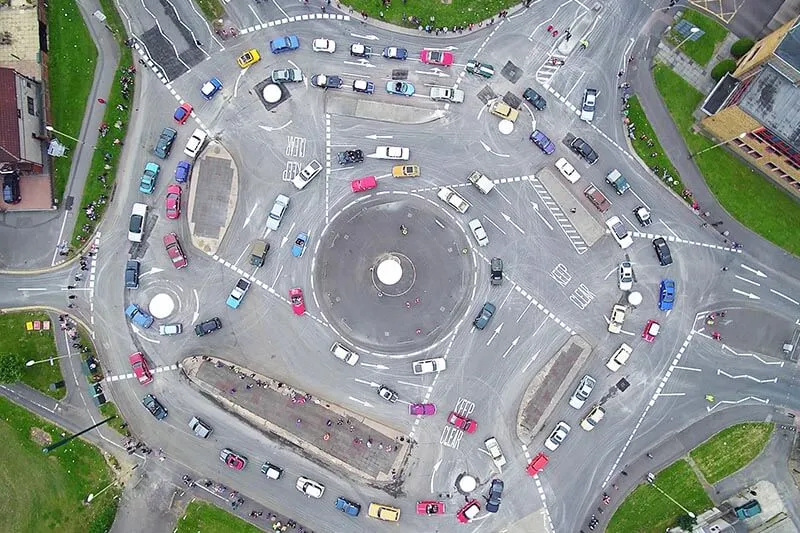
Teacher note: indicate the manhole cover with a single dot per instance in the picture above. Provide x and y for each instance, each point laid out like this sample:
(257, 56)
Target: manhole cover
(486, 95)
(399, 74)
(512, 100)
(511, 72)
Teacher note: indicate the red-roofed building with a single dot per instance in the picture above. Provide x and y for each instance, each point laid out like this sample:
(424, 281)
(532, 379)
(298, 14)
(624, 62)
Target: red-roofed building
(21, 119)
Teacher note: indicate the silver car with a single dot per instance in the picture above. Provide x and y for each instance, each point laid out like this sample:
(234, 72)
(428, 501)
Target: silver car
(582, 393)
(283, 75)
(557, 436)
(277, 212)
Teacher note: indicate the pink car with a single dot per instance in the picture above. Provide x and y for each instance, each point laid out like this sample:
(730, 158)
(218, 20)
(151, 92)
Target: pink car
(173, 201)
(296, 297)
(363, 184)
(436, 57)
(651, 329)
(421, 409)
(174, 250)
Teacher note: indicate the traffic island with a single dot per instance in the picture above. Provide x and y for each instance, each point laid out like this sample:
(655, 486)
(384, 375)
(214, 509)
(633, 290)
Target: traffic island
(318, 430)
(215, 182)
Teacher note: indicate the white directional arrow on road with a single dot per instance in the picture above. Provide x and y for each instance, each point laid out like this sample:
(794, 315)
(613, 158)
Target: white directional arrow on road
(496, 332)
(513, 344)
(283, 241)
(361, 63)
(154, 270)
(433, 73)
(378, 367)
(362, 402)
(451, 48)
(370, 383)
(250, 215)
(536, 208)
(748, 294)
(367, 37)
(488, 149)
(376, 137)
(754, 271)
(270, 128)
(508, 219)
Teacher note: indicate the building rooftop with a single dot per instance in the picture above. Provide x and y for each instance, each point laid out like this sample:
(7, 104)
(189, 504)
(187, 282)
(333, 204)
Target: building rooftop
(9, 121)
(789, 49)
(719, 95)
(774, 101)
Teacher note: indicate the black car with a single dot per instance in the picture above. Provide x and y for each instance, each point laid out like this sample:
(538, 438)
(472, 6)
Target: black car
(154, 406)
(497, 271)
(350, 156)
(209, 326)
(11, 194)
(662, 251)
(583, 149)
(132, 275)
(165, 142)
(326, 82)
(495, 495)
(535, 99)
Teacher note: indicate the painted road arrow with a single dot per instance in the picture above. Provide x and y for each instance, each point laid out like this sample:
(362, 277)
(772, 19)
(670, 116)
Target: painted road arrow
(513, 344)
(153, 270)
(508, 219)
(748, 294)
(367, 37)
(536, 208)
(754, 271)
(376, 137)
(362, 402)
(378, 367)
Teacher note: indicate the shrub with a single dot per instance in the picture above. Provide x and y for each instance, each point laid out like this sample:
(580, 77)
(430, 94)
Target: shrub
(741, 47)
(722, 68)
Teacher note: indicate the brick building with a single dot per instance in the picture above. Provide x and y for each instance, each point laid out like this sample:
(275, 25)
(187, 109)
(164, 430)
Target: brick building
(756, 109)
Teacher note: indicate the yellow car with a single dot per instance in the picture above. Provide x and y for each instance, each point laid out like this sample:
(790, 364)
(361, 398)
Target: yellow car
(503, 110)
(384, 512)
(405, 171)
(248, 58)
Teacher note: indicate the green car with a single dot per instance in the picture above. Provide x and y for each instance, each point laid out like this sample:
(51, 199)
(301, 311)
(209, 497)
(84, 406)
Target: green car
(147, 183)
(474, 67)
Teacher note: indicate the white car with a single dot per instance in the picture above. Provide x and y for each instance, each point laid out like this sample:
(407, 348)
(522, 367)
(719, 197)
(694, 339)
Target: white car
(557, 436)
(495, 452)
(277, 212)
(428, 366)
(309, 487)
(567, 170)
(619, 358)
(397, 153)
(619, 232)
(307, 174)
(625, 276)
(170, 329)
(323, 45)
(138, 219)
(195, 142)
(588, 105)
(340, 352)
(478, 232)
(593, 418)
(617, 318)
(582, 392)
(453, 199)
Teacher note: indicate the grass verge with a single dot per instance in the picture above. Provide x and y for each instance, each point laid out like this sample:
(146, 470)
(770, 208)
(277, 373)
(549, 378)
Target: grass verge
(457, 13)
(46, 492)
(109, 409)
(646, 143)
(71, 61)
(201, 516)
(702, 50)
(646, 510)
(741, 190)
(21, 346)
(212, 9)
(96, 192)
(731, 449)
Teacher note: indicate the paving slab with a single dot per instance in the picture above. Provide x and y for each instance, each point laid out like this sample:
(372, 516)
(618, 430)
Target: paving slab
(571, 197)
(213, 192)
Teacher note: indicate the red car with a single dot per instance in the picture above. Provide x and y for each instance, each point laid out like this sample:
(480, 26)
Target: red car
(537, 464)
(430, 507)
(462, 423)
(651, 329)
(140, 368)
(174, 250)
(173, 201)
(421, 409)
(363, 184)
(436, 57)
(469, 511)
(232, 459)
(296, 297)
(183, 112)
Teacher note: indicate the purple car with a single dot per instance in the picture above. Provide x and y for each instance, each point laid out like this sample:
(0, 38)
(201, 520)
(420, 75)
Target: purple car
(422, 409)
(543, 141)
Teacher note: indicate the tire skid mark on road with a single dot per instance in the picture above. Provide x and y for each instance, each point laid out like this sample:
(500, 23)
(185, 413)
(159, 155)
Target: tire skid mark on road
(540, 488)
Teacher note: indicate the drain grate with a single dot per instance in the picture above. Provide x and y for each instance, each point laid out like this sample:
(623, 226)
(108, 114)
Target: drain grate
(486, 95)
(399, 74)
(511, 72)
(512, 100)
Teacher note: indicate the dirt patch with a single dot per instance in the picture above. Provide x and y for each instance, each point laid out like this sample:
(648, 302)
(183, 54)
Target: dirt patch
(41, 437)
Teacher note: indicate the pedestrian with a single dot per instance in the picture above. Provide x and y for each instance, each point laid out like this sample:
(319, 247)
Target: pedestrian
(724, 269)
(77, 278)
(70, 287)
(101, 100)
(71, 296)
(573, 210)
(620, 73)
(624, 473)
(70, 306)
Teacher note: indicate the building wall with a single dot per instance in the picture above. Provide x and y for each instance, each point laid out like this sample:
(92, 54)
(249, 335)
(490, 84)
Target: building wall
(29, 108)
(762, 50)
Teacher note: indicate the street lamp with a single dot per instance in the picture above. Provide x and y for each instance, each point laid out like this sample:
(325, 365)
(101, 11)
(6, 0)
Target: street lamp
(32, 362)
(91, 497)
(740, 136)
(51, 128)
(652, 479)
(691, 32)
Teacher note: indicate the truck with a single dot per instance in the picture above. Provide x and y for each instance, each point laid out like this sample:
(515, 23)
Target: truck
(447, 94)
(481, 182)
(618, 181)
(237, 294)
(597, 198)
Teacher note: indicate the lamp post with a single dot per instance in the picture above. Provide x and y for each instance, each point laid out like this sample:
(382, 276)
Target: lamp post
(92, 496)
(691, 32)
(740, 136)
(52, 129)
(32, 362)
(651, 478)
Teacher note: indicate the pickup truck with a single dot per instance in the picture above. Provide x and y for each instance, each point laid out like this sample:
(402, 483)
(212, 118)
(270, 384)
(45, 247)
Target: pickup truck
(618, 181)
(237, 294)
(597, 198)
(481, 182)
(447, 94)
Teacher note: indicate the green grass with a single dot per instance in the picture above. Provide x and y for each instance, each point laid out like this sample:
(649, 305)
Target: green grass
(702, 50)
(71, 62)
(643, 127)
(745, 193)
(94, 188)
(22, 345)
(731, 449)
(201, 516)
(108, 409)
(646, 510)
(458, 13)
(212, 9)
(46, 492)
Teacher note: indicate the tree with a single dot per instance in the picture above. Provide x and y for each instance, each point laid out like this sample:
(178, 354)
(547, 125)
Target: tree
(741, 47)
(11, 367)
(686, 522)
(722, 68)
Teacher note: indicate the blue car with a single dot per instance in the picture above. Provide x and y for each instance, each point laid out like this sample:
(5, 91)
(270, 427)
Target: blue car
(300, 244)
(147, 183)
(210, 88)
(347, 507)
(138, 317)
(284, 44)
(393, 52)
(666, 294)
(183, 171)
(403, 88)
